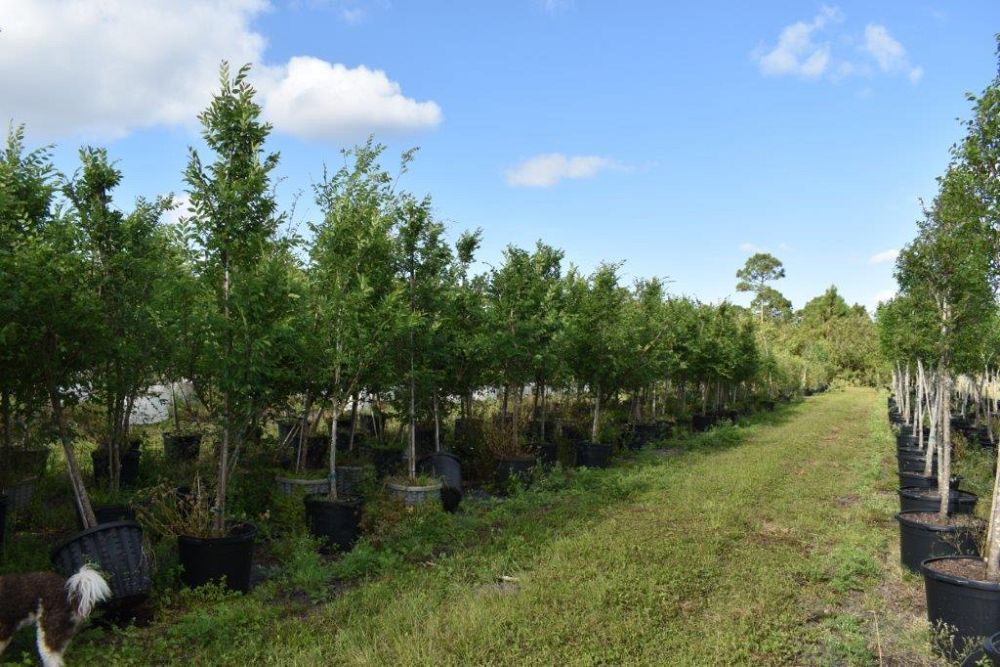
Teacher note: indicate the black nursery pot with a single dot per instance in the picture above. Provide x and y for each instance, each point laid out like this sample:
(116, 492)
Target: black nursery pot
(959, 502)
(228, 559)
(448, 468)
(991, 645)
(181, 446)
(914, 462)
(128, 474)
(593, 455)
(919, 481)
(547, 454)
(968, 609)
(701, 423)
(385, 459)
(336, 522)
(116, 548)
(510, 468)
(920, 541)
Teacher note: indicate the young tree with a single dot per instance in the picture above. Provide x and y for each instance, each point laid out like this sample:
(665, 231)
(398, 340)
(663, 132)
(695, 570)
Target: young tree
(423, 261)
(357, 297)
(128, 257)
(50, 297)
(594, 341)
(242, 265)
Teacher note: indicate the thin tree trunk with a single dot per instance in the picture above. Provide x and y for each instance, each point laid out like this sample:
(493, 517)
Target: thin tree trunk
(597, 415)
(83, 506)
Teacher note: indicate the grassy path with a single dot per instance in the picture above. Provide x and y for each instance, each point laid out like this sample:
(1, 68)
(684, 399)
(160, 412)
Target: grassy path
(757, 552)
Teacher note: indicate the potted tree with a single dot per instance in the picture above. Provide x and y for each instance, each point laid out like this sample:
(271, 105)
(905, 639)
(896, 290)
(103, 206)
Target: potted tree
(422, 262)
(593, 313)
(57, 316)
(244, 270)
(360, 304)
(127, 254)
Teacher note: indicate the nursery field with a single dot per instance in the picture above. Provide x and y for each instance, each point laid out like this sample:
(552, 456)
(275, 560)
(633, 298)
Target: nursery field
(769, 543)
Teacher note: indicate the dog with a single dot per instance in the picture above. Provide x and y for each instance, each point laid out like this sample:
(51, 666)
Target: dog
(57, 607)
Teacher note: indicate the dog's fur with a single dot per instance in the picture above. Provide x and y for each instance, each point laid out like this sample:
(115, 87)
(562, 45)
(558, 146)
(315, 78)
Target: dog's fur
(57, 607)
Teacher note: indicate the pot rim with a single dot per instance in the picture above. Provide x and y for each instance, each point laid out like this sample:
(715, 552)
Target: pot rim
(990, 586)
(961, 495)
(302, 480)
(352, 502)
(396, 486)
(247, 533)
(96, 529)
(903, 519)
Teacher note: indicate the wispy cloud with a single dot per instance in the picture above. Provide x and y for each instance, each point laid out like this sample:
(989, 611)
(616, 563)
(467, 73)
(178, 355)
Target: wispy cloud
(796, 52)
(813, 50)
(555, 6)
(885, 257)
(543, 171)
(750, 248)
(888, 53)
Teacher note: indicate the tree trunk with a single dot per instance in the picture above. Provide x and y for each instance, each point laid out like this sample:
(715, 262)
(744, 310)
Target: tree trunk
(333, 447)
(944, 457)
(83, 506)
(597, 415)
(437, 425)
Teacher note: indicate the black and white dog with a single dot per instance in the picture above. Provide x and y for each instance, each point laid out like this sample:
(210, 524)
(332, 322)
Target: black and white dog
(55, 605)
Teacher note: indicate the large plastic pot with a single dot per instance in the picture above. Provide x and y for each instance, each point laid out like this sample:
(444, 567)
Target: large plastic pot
(917, 480)
(227, 559)
(991, 645)
(117, 550)
(386, 460)
(448, 468)
(415, 495)
(128, 474)
(113, 513)
(290, 485)
(515, 467)
(593, 455)
(337, 522)
(701, 423)
(547, 453)
(961, 611)
(24, 462)
(959, 502)
(468, 430)
(181, 447)
(920, 541)
(19, 494)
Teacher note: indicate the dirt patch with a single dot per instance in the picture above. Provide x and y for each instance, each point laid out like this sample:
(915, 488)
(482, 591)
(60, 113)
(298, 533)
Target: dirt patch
(848, 500)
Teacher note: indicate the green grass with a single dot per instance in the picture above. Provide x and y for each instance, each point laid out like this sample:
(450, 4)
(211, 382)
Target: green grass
(768, 544)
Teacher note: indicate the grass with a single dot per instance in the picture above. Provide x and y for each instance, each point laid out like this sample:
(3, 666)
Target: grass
(768, 544)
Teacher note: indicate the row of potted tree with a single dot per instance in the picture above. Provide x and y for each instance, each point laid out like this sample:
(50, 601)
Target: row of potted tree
(942, 331)
(242, 322)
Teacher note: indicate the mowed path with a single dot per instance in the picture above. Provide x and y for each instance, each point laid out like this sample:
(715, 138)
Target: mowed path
(753, 554)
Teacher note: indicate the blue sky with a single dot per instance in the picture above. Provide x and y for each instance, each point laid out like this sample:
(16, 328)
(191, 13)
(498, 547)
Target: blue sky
(678, 137)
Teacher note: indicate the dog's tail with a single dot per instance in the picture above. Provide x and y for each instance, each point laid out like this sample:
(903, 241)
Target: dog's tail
(85, 589)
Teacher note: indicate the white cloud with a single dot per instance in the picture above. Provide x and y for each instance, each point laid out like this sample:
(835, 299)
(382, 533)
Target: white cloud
(556, 6)
(885, 257)
(796, 53)
(353, 15)
(316, 100)
(800, 51)
(888, 53)
(105, 69)
(546, 170)
(750, 248)
(880, 297)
